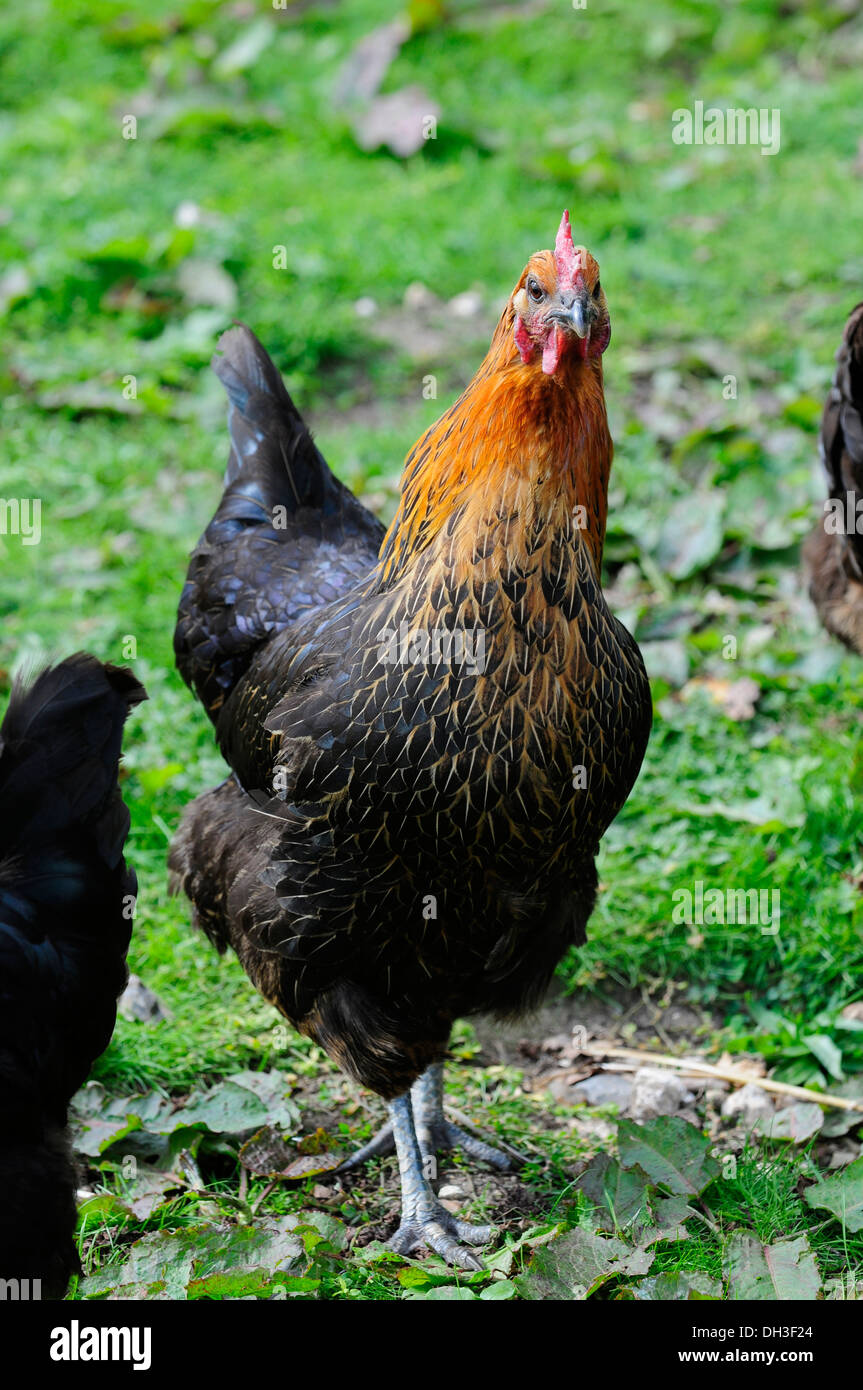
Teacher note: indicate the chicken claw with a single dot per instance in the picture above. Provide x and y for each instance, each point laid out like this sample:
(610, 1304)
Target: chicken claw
(424, 1221)
(441, 1232)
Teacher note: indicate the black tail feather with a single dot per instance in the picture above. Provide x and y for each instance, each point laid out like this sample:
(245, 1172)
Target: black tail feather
(286, 538)
(273, 458)
(59, 749)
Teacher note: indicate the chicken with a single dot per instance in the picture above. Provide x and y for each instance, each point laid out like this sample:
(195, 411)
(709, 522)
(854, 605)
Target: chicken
(834, 551)
(66, 906)
(429, 730)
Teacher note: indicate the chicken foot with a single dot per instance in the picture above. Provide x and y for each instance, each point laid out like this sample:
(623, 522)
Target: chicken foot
(424, 1220)
(417, 1130)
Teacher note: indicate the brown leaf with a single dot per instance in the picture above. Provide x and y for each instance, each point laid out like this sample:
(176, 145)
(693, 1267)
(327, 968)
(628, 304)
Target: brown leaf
(365, 68)
(737, 698)
(268, 1155)
(310, 1165)
(397, 120)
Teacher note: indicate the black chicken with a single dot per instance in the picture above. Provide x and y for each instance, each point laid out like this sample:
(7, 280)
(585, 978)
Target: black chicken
(66, 906)
(429, 731)
(834, 551)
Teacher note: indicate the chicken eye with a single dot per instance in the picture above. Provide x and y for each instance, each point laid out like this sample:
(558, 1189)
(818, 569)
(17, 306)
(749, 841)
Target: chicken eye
(535, 290)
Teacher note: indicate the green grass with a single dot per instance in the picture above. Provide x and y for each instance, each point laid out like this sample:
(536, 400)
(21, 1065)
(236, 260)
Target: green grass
(715, 262)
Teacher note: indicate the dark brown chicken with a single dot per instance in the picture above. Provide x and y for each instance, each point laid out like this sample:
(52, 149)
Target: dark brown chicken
(834, 551)
(66, 907)
(429, 730)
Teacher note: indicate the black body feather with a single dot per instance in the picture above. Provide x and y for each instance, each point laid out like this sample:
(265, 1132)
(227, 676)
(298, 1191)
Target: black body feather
(65, 924)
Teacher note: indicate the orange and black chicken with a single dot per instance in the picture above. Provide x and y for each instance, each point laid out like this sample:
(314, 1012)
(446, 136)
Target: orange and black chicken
(429, 729)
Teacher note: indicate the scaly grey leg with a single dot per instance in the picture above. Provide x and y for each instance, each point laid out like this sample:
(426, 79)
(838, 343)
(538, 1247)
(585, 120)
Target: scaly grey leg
(424, 1221)
(436, 1133)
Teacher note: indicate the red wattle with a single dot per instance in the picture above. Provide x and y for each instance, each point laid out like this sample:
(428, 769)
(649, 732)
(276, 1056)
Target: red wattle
(523, 341)
(553, 350)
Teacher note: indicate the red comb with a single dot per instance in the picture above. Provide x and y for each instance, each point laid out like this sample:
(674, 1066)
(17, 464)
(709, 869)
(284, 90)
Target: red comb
(566, 258)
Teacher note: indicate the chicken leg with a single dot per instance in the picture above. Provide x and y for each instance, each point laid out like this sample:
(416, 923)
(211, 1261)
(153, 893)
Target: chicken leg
(424, 1221)
(435, 1133)
(417, 1130)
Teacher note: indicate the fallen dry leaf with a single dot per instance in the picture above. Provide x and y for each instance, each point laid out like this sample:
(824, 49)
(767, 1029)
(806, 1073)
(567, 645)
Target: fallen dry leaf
(400, 121)
(737, 699)
(367, 65)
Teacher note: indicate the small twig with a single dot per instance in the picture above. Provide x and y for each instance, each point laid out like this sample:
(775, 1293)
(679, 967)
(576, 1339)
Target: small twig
(657, 1014)
(197, 1187)
(256, 1205)
(732, 1074)
(705, 1215)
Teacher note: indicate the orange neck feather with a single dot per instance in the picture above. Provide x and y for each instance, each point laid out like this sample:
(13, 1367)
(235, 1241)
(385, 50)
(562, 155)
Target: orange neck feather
(516, 439)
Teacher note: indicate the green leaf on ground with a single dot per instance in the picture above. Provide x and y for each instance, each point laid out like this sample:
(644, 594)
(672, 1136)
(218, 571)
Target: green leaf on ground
(211, 1262)
(577, 1263)
(272, 1089)
(619, 1194)
(672, 1152)
(786, 1270)
(683, 1285)
(692, 535)
(226, 1109)
(841, 1194)
(98, 1134)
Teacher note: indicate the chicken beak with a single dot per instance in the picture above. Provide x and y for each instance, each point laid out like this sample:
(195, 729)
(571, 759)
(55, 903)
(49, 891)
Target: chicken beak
(572, 316)
(574, 313)
(580, 318)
